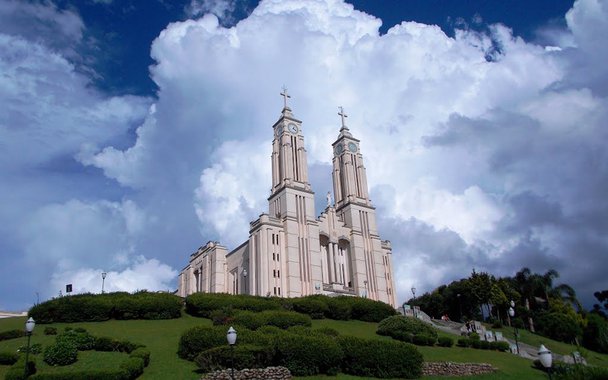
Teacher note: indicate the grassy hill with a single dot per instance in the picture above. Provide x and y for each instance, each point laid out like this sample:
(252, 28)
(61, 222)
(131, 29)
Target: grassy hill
(161, 338)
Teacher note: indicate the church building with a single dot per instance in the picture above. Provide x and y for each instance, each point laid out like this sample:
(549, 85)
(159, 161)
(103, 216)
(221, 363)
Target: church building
(290, 251)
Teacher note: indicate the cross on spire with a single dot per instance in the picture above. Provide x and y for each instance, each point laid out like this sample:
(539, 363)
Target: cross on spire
(342, 116)
(285, 96)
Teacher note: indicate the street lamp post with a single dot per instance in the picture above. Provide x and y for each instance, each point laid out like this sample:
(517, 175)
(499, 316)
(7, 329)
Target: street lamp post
(459, 306)
(231, 337)
(103, 280)
(245, 281)
(515, 332)
(29, 328)
(414, 307)
(545, 357)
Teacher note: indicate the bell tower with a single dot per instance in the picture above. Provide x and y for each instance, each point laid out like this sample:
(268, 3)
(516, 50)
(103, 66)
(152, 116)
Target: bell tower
(370, 258)
(349, 175)
(289, 166)
(291, 207)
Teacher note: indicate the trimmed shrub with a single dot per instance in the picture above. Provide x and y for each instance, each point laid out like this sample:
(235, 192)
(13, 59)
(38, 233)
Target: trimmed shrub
(11, 334)
(338, 308)
(475, 343)
(203, 304)
(308, 355)
(101, 307)
(61, 353)
(198, 339)
(445, 341)
(132, 368)
(405, 329)
(424, 340)
(249, 319)
(82, 340)
(368, 310)
(463, 342)
(312, 306)
(474, 336)
(484, 345)
(382, 359)
(50, 330)
(245, 356)
(500, 346)
(143, 354)
(497, 324)
(8, 358)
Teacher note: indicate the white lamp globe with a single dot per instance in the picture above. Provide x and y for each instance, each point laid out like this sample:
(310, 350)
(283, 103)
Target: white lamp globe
(231, 336)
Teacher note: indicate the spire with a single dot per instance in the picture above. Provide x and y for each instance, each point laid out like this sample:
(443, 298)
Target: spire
(344, 129)
(286, 110)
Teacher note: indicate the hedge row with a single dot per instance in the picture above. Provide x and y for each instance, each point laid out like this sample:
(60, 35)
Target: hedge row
(318, 306)
(483, 345)
(303, 350)
(8, 358)
(11, 334)
(102, 307)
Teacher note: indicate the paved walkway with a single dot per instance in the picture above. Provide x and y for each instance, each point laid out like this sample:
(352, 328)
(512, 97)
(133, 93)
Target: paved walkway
(525, 350)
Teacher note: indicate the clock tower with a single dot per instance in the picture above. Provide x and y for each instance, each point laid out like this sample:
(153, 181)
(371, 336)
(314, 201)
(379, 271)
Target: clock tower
(370, 257)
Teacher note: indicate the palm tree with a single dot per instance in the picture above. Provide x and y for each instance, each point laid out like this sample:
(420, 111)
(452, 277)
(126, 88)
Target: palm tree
(527, 282)
(546, 281)
(567, 294)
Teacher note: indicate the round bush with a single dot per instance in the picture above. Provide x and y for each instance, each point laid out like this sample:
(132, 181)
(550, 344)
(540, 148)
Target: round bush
(308, 355)
(82, 340)
(198, 339)
(61, 353)
(142, 353)
(382, 359)
(368, 310)
(445, 341)
(424, 340)
(402, 328)
(463, 342)
(11, 334)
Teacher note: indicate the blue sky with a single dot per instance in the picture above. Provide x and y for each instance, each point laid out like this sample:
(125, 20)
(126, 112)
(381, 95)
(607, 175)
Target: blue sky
(134, 132)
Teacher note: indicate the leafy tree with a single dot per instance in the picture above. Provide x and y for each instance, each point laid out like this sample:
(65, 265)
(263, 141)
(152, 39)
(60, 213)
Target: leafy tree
(602, 307)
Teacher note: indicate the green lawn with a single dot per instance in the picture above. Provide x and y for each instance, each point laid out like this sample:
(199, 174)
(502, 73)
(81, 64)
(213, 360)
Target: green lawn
(161, 338)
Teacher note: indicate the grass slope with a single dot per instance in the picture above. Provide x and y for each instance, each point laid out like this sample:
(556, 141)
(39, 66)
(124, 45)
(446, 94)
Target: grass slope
(161, 338)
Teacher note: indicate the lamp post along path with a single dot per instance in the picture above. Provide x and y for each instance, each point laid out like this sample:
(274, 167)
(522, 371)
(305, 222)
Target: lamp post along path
(29, 329)
(546, 358)
(515, 332)
(103, 280)
(231, 337)
(414, 307)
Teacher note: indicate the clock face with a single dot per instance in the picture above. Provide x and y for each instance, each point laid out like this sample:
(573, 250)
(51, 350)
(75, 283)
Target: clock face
(339, 148)
(352, 147)
(292, 128)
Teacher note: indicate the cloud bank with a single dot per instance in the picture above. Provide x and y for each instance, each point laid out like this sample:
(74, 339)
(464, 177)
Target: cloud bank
(483, 150)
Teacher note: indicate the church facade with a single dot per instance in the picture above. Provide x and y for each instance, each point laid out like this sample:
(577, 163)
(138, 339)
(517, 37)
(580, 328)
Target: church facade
(290, 251)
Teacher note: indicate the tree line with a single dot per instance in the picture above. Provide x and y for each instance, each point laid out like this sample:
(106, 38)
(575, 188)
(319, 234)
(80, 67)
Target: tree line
(540, 304)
